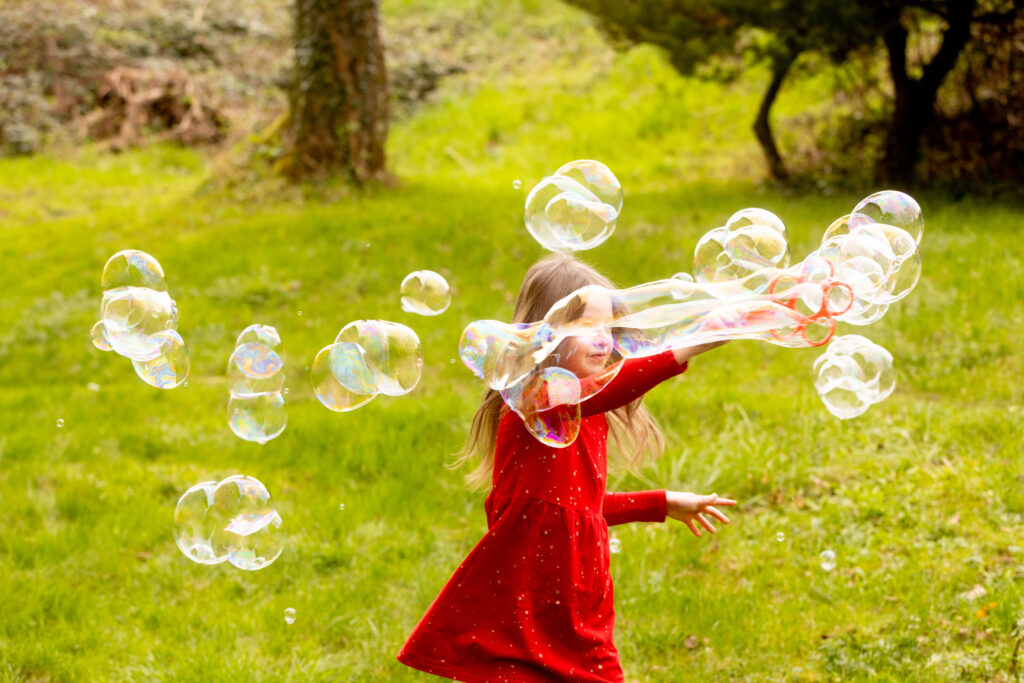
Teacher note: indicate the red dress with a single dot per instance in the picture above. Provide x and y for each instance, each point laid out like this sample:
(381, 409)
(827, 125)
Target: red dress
(533, 600)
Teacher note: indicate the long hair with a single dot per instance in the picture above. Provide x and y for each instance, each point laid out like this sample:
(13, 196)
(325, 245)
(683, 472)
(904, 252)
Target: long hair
(634, 432)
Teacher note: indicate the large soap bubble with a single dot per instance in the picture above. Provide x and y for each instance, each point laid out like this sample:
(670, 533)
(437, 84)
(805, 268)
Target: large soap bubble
(233, 520)
(256, 409)
(861, 268)
(574, 209)
(853, 374)
(425, 292)
(139, 319)
(890, 207)
(368, 357)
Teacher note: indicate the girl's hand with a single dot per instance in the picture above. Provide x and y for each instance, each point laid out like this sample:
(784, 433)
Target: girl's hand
(691, 507)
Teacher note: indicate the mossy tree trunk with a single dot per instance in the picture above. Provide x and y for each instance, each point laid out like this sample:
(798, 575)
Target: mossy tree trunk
(338, 95)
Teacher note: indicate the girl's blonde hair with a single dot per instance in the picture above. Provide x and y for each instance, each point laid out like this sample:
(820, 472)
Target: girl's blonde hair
(634, 432)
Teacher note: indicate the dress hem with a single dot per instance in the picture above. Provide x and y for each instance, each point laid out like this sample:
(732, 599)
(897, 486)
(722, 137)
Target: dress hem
(444, 671)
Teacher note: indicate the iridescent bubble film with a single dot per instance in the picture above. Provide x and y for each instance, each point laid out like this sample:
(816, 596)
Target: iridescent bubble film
(853, 374)
(256, 410)
(743, 289)
(425, 292)
(233, 521)
(891, 207)
(367, 358)
(171, 366)
(139, 319)
(575, 208)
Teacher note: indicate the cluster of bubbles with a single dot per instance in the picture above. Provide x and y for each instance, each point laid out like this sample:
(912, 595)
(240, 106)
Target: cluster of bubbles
(575, 208)
(853, 374)
(367, 358)
(742, 288)
(425, 292)
(233, 520)
(139, 319)
(256, 409)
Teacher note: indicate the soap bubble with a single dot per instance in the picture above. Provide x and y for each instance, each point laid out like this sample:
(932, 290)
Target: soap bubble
(891, 207)
(425, 292)
(742, 289)
(133, 268)
(171, 365)
(289, 615)
(852, 374)
(368, 357)
(574, 209)
(614, 546)
(517, 184)
(259, 334)
(232, 521)
(258, 418)
(132, 315)
(246, 526)
(827, 559)
(780, 537)
(139, 319)
(751, 240)
(256, 409)
(193, 532)
(99, 337)
(60, 422)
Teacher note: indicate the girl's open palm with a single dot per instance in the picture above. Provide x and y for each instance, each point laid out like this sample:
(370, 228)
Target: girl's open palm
(691, 508)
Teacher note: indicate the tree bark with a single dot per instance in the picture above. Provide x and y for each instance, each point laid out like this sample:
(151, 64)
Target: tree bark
(338, 97)
(914, 98)
(762, 124)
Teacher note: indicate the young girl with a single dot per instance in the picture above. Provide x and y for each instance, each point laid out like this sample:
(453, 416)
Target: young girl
(533, 600)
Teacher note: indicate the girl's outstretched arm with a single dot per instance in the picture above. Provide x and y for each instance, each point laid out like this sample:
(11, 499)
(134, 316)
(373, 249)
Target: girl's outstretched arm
(691, 507)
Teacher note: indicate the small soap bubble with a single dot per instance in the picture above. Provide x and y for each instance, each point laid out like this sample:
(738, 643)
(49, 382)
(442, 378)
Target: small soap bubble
(92, 386)
(517, 184)
(289, 615)
(780, 537)
(828, 560)
(614, 545)
(341, 506)
(425, 292)
(60, 423)
(299, 313)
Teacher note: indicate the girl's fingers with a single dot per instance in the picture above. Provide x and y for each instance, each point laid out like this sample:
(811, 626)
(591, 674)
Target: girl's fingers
(693, 529)
(717, 515)
(724, 501)
(705, 523)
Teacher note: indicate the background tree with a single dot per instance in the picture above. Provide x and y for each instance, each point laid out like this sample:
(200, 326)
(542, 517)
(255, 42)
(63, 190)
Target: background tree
(338, 94)
(694, 33)
(914, 96)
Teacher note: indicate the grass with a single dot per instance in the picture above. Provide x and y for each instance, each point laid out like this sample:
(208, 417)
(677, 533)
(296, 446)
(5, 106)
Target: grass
(920, 498)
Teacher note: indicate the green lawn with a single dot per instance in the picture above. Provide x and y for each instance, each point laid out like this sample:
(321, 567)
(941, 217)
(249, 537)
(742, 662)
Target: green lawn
(921, 498)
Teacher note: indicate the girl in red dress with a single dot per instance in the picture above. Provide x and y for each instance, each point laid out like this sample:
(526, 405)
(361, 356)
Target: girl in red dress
(533, 600)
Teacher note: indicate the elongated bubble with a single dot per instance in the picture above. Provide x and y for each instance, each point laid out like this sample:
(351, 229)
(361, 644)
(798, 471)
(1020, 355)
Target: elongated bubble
(256, 408)
(741, 290)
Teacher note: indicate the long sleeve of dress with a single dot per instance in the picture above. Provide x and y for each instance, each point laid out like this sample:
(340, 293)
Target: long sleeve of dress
(636, 377)
(635, 506)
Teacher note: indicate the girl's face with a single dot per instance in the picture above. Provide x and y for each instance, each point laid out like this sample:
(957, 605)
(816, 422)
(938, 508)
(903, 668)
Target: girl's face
(588, 355)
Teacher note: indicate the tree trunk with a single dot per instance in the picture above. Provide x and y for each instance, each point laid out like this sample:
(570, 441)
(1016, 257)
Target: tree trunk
(338, 96)
(914, 101)
(762, 124)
